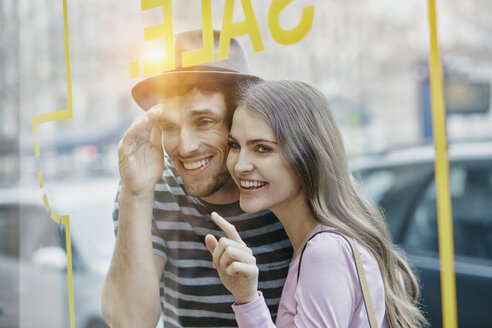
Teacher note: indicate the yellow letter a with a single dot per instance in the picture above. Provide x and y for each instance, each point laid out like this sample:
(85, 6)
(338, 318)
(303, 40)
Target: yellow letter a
(230, 29)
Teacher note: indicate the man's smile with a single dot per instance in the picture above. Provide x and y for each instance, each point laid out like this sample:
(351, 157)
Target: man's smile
(196, 164)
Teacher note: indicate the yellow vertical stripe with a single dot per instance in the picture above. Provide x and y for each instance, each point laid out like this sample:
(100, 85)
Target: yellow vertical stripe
(65, 114)
(46, 204)
(36, 147)
(134, 69)
(66, 222)
(444, 212)
(40, 179)
(67, 59)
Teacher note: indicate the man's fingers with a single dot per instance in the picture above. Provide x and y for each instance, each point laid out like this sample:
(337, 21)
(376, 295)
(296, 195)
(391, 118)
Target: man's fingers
(228, 228)
(156, 131)
(155, 135)
(138, 130)
(144, 129)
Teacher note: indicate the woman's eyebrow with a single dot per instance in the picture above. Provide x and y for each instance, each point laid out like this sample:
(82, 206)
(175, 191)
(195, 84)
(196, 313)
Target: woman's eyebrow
(260, 140)
(254, 141)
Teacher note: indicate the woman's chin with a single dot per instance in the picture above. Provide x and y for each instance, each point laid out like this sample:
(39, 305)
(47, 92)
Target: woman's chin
(251, 207)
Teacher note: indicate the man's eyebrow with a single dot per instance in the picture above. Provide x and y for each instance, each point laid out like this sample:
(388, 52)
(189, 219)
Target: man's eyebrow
(203, 111)
(194, 113)
(254, 141)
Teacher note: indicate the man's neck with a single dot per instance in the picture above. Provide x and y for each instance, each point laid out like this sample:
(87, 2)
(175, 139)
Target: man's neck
(228, 194)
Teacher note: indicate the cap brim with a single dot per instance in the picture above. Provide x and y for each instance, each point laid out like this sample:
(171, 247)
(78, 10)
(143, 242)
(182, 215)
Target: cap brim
(147, 92)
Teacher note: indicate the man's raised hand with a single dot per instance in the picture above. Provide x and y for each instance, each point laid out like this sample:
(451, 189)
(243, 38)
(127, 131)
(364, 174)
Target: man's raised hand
(140, 154)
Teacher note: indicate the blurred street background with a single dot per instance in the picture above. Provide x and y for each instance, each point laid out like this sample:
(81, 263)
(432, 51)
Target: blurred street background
(370, 58)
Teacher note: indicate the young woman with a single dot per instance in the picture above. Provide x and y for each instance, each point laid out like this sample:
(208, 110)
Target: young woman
(287, 155)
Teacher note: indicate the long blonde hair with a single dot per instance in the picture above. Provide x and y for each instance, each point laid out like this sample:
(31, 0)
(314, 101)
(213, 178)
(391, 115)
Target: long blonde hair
(308, 137)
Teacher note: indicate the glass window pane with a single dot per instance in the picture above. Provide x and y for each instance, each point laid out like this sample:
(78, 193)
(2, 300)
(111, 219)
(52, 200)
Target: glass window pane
(9, 230)
(395, 188)
(471, 194)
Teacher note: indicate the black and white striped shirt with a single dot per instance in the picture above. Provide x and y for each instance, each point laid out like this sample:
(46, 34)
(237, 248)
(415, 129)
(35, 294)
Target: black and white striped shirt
(192, 294)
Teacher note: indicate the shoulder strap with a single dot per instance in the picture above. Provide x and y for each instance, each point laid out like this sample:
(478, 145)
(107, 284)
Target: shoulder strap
(360, 273)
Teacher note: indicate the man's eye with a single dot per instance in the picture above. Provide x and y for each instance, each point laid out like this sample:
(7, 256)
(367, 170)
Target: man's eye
(204, 122)
(234, 145)
(263, 149)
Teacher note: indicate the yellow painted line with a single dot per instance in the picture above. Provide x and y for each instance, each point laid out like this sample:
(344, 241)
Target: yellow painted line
(45, 201)
(61, 114)
(58, 116)
(441, 165)
(66, 222)
(36, 147)
(55, 216)
(40, 179)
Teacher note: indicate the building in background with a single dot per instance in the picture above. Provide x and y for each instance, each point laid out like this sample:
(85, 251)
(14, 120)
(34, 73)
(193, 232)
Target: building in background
(369, 58)
(9, 91)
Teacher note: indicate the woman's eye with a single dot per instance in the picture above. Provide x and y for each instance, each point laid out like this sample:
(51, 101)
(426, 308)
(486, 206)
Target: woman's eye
(233, 145)
(263, 149)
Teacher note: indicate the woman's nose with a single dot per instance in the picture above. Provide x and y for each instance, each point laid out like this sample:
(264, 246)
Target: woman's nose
(244, 163)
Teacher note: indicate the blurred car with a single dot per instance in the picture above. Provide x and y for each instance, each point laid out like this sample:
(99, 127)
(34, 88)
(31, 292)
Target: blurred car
(402, 183)
(33, 263)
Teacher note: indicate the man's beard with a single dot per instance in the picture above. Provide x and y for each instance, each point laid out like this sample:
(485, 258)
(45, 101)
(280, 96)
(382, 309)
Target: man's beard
(210, 187)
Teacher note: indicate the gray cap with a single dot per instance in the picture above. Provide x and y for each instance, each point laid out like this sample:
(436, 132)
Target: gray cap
(233, 69)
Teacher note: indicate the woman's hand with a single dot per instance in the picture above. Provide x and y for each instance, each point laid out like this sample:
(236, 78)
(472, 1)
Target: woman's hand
(234, 262)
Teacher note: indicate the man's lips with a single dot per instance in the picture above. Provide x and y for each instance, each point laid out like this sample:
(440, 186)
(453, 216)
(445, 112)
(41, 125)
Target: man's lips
(193, 165)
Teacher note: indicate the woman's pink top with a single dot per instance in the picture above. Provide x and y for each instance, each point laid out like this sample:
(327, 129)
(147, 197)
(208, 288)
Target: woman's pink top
(328, 293)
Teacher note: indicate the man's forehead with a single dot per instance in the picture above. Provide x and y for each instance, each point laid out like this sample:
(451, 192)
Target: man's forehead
(194, 103)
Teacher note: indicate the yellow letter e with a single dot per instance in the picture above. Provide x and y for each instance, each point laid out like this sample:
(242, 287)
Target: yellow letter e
(165, 31)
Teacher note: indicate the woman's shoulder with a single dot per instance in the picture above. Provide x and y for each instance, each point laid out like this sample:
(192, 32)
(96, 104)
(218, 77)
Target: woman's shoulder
(329, 244)
(326, 240)
(330, 253)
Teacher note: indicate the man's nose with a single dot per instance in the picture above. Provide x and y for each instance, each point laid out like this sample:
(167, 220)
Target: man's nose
(189, 143)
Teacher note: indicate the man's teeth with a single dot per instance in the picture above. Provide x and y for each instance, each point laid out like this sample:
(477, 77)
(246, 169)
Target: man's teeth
(252, 184)
(196, 165)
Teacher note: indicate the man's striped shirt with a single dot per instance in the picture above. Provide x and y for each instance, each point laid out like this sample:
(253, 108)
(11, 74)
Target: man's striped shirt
(192, 294)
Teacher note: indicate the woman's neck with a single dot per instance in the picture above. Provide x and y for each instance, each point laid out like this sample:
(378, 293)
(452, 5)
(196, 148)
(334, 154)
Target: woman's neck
(298, 222)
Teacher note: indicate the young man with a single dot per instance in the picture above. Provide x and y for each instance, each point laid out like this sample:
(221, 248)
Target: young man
(162, 214)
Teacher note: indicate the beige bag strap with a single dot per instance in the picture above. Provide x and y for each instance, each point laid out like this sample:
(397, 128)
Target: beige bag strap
(371, 315)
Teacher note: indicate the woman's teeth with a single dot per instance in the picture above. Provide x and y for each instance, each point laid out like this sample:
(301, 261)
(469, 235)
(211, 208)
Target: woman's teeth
(252, 184)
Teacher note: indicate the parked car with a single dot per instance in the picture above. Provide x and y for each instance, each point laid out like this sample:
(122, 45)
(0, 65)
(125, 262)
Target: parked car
(33, 263)
(402, 183)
